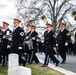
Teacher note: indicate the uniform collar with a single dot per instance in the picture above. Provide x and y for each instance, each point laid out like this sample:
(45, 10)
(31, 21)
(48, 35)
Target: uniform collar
(5, 29)
(49, 31)
(16, 27)
(62, 30)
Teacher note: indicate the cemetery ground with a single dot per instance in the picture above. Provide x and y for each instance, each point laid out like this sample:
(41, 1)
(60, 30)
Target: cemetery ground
(36, 70)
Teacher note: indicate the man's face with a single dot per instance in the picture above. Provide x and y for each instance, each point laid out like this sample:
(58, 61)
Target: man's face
(5, 26)
(28, 28)
(62, 26)
(16, 23)
(32, 29)
(48, 28)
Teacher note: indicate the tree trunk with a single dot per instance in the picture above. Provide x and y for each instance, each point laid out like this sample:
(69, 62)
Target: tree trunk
(54, 23)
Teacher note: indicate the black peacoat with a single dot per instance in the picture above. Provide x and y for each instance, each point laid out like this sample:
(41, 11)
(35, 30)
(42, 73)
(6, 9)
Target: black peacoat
(49, 42)
(17, 40)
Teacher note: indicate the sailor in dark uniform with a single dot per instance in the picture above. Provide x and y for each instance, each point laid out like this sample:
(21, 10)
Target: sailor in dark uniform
(74, 47)
(4, 43)
(49, 46)
(28, 31)
(1, 32)
(17, 41)
(32, 45)
(26, 41)
(33, 36)
(62, 41)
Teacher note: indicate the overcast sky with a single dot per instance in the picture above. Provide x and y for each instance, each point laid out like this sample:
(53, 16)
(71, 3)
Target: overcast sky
(8, 12)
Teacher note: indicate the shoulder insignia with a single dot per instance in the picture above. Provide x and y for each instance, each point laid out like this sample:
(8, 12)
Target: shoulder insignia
(68, 34)
(21, 33)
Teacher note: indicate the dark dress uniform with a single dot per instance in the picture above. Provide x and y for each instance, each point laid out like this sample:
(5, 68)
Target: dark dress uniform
(40, 47)
(25, 40)
(17, 43)
(62, 38)
(27, 51)
(1, 32)
(74, 47)
(49, 43)
(4, 44)
(32, 55)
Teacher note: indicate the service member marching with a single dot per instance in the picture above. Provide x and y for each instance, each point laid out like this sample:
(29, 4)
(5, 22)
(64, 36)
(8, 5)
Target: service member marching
(49, 44)
(34, 35)
(27, 42)
(4, 43)
(62, 41)
(32, 44)
(1, 32)
(74, 48)
(17, 41)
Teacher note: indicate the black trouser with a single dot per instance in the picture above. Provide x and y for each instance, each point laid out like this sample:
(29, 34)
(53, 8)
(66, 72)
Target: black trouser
(0, 58)
(53, 58)
(63, 56)
(21, 60)
(4, 62)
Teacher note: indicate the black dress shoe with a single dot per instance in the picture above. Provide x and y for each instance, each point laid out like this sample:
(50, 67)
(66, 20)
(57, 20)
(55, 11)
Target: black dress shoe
(30, 63)
(37, 62)
(63, 62)
(3, 65)
(57, 63)
(24, 63)
(0, 61)
(43, 65)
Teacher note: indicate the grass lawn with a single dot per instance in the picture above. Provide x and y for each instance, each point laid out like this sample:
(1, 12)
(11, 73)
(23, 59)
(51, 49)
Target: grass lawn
(36, 70)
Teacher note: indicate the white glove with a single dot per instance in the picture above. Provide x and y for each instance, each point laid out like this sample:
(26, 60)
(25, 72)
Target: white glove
(26, 37)
(10, 39)
(4, 37)
(33, 38)
(37, 40)
(66, 44)
(56, 44)
(19, 47)
(8, 46)
(42, 41)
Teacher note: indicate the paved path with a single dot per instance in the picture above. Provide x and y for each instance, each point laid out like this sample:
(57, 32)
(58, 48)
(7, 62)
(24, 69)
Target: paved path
(70, 64)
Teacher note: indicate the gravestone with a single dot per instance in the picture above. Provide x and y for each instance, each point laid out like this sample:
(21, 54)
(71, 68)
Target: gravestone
(14, 68)
(13, 60)
(19, 71)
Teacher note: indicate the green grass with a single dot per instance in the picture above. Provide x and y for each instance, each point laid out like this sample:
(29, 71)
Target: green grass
(3, 71)
(36, 70)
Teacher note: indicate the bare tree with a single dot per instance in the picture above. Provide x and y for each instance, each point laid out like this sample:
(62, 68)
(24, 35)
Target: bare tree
(31, 10)
(74, 14)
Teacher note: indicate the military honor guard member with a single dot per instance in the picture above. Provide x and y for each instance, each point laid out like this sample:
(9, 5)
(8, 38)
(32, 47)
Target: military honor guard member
(32, 44)
(34, 35)
(1, 32)
(49, 46)
(62, 41)
(74, 47)
(27, 41)
(18, 36)
(4, 43)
